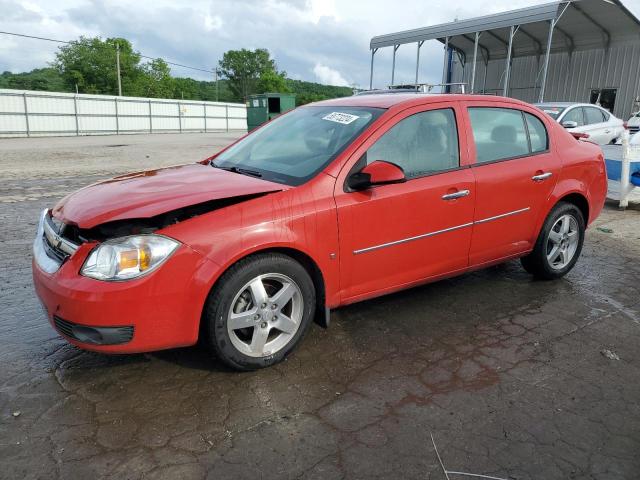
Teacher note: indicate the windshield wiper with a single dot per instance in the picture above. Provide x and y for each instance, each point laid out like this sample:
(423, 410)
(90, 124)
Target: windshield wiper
(240, 170)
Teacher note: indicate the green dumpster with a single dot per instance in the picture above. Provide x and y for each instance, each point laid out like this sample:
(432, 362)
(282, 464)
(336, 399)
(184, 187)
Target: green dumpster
(265, 106)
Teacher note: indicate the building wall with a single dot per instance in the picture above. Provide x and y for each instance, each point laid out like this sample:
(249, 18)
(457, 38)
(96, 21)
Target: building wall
(31, 113)
(570, 78)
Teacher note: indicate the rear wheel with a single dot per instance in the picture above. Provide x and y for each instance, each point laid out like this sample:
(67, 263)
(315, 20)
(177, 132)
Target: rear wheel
(259, 311)
(559, 244)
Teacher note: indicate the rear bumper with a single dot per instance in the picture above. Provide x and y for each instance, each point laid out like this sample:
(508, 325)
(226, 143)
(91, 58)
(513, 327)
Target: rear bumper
(158, 311)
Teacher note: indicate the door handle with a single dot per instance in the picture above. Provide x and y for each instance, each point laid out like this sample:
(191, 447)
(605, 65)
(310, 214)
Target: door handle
(541, 177)
(607, 131)
(454, 195)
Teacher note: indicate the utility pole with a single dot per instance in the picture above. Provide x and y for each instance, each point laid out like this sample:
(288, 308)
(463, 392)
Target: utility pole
(118, 68)
(215, 71)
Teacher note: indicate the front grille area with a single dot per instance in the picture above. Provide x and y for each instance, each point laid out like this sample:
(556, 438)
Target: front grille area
(94, 335)
(53, 251)
(57, 245)
(634, 129)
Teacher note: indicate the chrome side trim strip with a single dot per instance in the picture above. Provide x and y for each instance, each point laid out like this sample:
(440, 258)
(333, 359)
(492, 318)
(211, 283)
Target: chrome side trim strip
(438, 232)
(411, 239)
(508, 214)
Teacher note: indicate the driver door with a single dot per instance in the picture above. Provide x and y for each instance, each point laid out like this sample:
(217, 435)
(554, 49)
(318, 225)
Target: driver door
(392, 236)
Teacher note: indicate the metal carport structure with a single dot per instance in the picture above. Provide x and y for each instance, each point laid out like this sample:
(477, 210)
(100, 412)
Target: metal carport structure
(536, 37)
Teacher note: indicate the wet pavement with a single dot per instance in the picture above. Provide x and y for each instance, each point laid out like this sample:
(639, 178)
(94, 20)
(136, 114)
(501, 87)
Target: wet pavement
(514, 378)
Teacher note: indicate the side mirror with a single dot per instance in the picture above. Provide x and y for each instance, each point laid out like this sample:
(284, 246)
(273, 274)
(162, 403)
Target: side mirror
(376, 173)
(570, 124)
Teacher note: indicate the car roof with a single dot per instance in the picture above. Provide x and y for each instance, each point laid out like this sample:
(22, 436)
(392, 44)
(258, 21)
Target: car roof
(388, 100)
(565, 104)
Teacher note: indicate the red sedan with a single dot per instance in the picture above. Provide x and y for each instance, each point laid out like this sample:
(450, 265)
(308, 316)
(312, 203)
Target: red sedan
(330, 204)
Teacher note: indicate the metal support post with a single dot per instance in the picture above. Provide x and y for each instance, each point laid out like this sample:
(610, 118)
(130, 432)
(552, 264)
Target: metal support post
(117, 119)
(75, 113)
(393, 64)
(475, 61)
(204, 106)
(445, 72)
(484, 80)
(507, 75)
(419, 44)
(625, 179)
(373, 52)
(26, 114)
(552, 24)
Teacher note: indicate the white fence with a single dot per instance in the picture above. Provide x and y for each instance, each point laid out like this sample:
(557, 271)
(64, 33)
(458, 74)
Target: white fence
(30, 113)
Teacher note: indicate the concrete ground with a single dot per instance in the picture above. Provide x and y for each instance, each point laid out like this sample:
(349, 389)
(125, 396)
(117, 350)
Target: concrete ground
(514, 378)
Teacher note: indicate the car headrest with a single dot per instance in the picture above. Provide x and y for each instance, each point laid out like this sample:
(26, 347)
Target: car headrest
(504, 134)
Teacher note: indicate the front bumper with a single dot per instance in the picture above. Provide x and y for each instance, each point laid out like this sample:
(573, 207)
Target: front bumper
(157, 311)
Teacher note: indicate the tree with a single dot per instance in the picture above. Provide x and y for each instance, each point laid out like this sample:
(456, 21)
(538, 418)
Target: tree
(38, 79)
(186, 88)
(90, 63)
(156, 80)
(244, 70)
(272, 81)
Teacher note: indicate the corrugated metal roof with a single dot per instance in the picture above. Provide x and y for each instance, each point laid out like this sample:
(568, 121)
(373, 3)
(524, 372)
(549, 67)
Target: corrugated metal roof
(488, 22)
(585, 24)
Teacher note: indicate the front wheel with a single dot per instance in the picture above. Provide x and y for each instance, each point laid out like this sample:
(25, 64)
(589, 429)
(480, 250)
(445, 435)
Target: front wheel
(259, 311)
(559, 244)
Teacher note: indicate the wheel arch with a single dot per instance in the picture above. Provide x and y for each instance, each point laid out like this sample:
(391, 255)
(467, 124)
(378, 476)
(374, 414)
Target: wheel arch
(579, 200)
(321, 316)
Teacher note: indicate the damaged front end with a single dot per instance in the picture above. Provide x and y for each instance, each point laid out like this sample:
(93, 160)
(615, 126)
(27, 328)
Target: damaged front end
(56, 240)
(145, 226)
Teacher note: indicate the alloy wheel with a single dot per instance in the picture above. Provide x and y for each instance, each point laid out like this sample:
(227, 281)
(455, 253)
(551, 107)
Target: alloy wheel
(265, 315)
(562, 242)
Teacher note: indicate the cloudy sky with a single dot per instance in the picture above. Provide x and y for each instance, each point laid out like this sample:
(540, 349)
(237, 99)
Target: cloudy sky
(317, 40)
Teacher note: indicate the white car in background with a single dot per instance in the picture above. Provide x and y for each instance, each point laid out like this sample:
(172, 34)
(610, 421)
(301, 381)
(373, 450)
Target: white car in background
(601, 126)
(634, 123)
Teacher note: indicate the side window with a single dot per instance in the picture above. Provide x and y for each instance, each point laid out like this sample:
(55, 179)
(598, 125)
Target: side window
(574, 115)
(594, 115)
(537, 133)
(499, 133)
(423, 143)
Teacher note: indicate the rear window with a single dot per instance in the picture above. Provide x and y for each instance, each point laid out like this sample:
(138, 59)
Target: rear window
(594, 115)
(499, 133)
(537, 134)
(552, 110)
(503, 133)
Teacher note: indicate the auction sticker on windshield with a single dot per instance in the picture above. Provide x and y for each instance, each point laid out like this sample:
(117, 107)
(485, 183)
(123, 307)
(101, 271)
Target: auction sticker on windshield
(344, 118)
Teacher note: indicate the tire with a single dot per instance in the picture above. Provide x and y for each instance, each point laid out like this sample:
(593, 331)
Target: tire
(546, 263)
(244, 325)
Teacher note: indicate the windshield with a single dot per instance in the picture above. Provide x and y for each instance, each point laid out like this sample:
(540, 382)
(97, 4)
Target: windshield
(553, 111)
(293, 148)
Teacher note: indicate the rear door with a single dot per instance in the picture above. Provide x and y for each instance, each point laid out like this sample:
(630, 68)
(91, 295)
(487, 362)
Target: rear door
(515, 172)
(600, 130)
(394, 235)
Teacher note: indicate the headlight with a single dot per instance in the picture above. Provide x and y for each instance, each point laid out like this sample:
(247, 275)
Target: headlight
(128, 257)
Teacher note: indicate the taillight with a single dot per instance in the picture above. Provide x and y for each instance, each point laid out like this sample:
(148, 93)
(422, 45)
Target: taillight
(625, 125)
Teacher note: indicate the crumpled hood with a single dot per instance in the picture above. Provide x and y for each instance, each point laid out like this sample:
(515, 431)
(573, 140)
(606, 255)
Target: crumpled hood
(150, 193)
